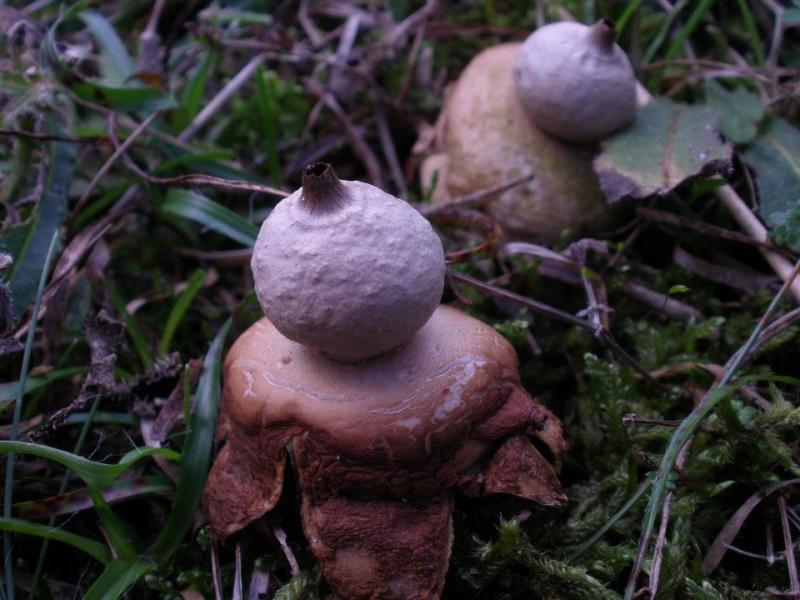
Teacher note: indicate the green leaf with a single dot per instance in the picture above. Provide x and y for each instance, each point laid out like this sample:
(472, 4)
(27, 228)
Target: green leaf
(133, 97)
(668, 144)
(192, 97)
(93, 473)
(701, 8)
(217, 15)
(94, 549)
(78, 500)
(678, 289)
(28, 243)
(117, 577)
(8, 489)
(791, 17)
(705, 591)
(750, 27)
(775, 157)
(742, 111)
(196, 207)
(179, 310)
(125, 99)
(196, 161)
(120, 536)
(299, 587)
(8, 391)
(269, 122)
(134, 331)
(111, 418)
(196, 457)
(118, 64)
(663, 31)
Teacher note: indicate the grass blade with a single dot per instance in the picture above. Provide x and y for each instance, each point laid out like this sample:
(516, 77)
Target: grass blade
(630, 9)
(116, 578)
(691, 24)
(62, 488)
(268, 117)
(752, 31)
(196, 161)
(611, 522)
(93, 473)
(663, 31)
(196, 207)
(8, 492)
(118, 97)
(134, 331)
(10, 390)
(192, 98)
(684, 432)
(94, 549)
(123, 539)
(29, 243)
(78, 500)
(179, 310)
(119, 65)
(196, 457)
(104, 417)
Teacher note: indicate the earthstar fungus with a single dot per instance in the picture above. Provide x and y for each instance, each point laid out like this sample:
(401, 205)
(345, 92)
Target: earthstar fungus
(346, 268)
(535, 108)
(378, 445)
(575, 82)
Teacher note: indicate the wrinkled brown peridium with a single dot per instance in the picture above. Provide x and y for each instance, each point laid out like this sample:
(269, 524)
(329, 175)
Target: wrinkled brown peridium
(379, 446)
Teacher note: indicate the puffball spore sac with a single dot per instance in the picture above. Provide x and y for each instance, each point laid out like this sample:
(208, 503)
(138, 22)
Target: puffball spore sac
(345, 268)
(575, 82)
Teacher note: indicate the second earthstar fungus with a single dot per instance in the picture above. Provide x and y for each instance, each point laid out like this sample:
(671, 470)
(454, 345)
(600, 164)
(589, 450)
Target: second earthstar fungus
(535, 109)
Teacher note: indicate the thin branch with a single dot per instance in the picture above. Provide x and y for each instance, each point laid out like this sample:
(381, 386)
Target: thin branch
(215, 575)
(661, 302)
(280, 535)
(777, 32)
(155, 15)
(308, 25)
(662, 216)
(751, 224)
(51, 137)
(536, 306)
(194, 178)
(788, 544)
(475, 198)
(554, 313)
(237, 577)
(222, 98)
(119, 151)
(389, 150)
(360, 147)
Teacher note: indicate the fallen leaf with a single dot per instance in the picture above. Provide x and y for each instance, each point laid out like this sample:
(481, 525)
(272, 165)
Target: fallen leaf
(742, 111)
(668, 144)
(775, 157)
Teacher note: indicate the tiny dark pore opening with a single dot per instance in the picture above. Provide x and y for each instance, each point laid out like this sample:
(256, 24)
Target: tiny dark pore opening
(316, 169)
(322, 190)
(603, 34)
